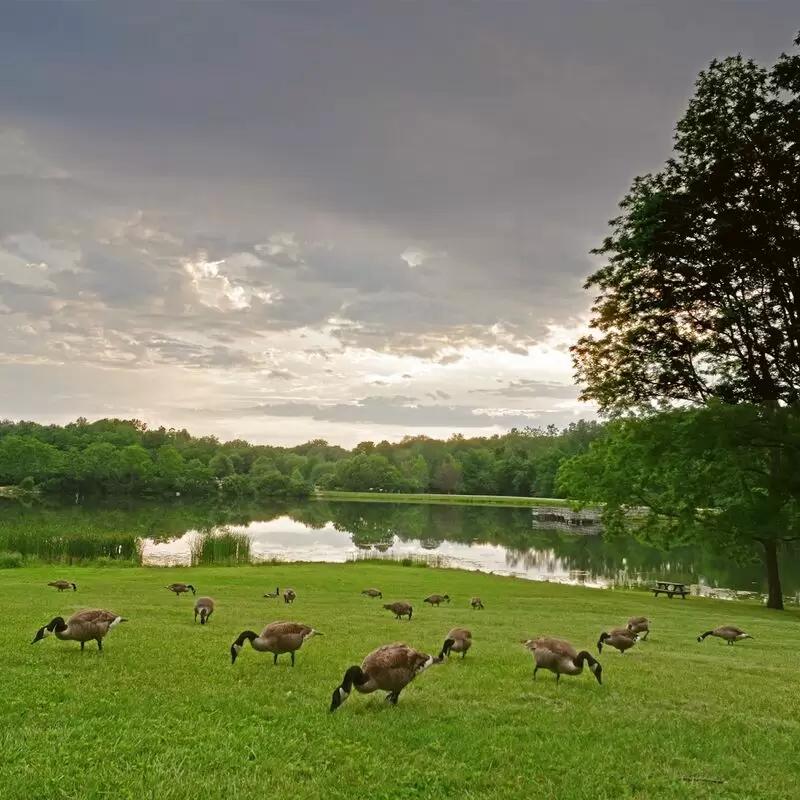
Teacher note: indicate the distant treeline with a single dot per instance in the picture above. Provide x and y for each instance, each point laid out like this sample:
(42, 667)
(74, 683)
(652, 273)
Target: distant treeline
(124, 457)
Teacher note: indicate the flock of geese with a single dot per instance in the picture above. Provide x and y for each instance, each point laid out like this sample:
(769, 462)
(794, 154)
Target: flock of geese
(389, 668)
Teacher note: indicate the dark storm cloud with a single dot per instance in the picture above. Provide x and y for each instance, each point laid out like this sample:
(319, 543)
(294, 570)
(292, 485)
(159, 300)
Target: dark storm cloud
(493, 140)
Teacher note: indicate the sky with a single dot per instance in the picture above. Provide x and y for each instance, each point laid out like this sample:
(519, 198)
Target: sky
(283, 221)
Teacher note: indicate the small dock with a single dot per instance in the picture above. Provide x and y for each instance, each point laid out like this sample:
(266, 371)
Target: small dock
(561, 518)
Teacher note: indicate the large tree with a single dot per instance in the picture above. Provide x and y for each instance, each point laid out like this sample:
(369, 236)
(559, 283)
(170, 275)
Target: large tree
(699, 296)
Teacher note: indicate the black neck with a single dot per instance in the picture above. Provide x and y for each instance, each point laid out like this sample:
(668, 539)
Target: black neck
(707, 633)
(585, 658)
(246, 636)
(354, 675)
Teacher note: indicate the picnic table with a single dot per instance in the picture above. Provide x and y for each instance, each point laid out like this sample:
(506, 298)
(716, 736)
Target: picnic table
(670, 589)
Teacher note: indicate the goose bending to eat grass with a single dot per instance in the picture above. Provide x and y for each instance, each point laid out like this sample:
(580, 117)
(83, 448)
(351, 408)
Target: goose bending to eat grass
(561, 657)
(82, 626)
(276, 638)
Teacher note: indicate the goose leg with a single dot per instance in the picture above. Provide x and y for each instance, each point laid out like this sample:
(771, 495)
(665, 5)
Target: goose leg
(535, 670)
(558, 677)
(83, 644)
(292, 654)
(274, 659)
(100, 645)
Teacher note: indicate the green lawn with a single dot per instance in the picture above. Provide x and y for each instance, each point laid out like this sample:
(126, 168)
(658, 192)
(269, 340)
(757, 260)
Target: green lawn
(163, 714)
(449, 499)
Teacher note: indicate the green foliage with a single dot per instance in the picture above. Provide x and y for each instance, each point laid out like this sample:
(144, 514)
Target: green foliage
(10, 560)
(728, 476)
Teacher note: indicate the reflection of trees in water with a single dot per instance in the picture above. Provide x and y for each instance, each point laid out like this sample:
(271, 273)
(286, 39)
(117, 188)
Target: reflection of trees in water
(75, 533)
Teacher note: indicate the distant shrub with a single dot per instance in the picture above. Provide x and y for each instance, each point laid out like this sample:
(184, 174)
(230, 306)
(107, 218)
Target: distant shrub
(10, 560)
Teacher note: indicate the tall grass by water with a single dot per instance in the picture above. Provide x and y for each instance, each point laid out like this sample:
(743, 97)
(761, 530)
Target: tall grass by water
(220, 548)
(163, 713)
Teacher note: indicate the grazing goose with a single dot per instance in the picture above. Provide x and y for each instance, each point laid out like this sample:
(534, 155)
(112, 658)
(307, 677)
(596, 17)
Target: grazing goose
(729, 633)
(180, 588)
(399, 609)
(276, 638)
(289, 596)
(621, 639)
(458, 640)
(204, 606)
(639, 625)
(82, 626)
(275, 594)
(561, 657)
(476, 603)
(372, 592)
(62, 585)
(389, 668)
(435, 599)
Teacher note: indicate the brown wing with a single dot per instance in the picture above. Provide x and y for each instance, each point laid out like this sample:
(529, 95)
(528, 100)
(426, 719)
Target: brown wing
(202, 602)
(557, 647)
(637, 620)
(92, 616)
(622, 632)
(459, 633)
(394, 656)
(732, 629)
(285, 629)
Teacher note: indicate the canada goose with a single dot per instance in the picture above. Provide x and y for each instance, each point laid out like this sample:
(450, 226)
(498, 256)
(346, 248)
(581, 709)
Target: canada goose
(389, 668)
(180, 588)
(621, 639)
(289, 596)
(729, 633)
(204, 606)
(639, 625)
(561, 657)
(476, 603)
(62, 585)
(82, 626)
(372, 592)
(458, 640)
(276, 638)
(435, 599)
(399, 609)
(273, 595)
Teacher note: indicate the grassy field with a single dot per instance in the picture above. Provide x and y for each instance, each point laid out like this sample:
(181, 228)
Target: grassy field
(445, 499)
(162, 713)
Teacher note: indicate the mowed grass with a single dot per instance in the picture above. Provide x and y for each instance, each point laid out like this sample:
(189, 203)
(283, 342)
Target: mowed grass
(162, 713)
(441, 499)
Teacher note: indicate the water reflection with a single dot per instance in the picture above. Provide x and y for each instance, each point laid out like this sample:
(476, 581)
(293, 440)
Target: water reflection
(498, 540)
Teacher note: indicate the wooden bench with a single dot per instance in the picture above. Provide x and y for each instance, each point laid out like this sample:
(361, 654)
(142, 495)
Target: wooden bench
(670, 589)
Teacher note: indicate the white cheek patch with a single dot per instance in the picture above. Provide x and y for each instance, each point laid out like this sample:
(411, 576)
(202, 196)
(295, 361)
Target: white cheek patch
(426, 664)
(237, 648)
(46, 632)
(116, 622)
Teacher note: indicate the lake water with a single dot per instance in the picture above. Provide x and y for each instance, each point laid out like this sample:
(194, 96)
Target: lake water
(498, 540)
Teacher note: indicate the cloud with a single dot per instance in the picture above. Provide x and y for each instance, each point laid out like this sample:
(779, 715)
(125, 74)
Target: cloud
(526, 387)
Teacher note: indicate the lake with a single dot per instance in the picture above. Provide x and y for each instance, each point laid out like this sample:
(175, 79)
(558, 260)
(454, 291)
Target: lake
(499, 540)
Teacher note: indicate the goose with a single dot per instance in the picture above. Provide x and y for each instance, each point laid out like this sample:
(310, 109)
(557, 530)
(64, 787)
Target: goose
(372, 592)
(729, 633)
(82, 626)
(204, 606)
(639, 625)
(276, 638)
(389, 668)
(289, 596)
(458, 640)
(399, 609)
(275, 594)
(435, 599)
(621, 639)
(561, 657)
(62, 585)
(180, 588)
(476, 603)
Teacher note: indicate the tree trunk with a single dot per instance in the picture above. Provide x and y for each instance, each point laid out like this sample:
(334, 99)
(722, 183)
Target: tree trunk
(774, 591)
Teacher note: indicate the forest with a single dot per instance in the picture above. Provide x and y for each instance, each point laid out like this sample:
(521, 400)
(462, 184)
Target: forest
(113, 457)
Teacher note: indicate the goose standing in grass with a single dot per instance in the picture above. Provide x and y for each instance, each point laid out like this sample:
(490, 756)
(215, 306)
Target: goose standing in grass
(277, 638)
(82, 626)
(389, 668)
(275, 594)
(729, 633)
(180, 588)
(639, 625)
(476, 603)
(561, 658)
(399, 609)
(459, 640)
(621, 639)
(204, 606)
(63, 585)
(372, 592)
(436, 599)
(289, 596)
